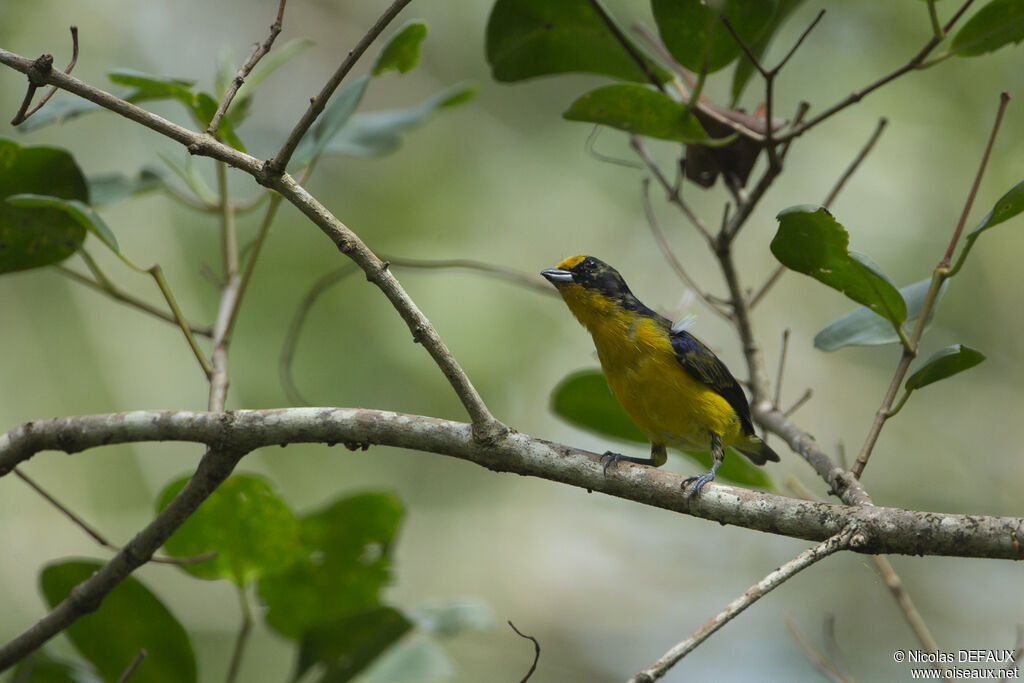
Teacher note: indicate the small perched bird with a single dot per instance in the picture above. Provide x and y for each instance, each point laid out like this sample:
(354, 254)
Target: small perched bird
(672, 386)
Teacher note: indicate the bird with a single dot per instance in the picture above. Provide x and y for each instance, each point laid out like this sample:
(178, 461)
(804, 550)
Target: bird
(671, 385)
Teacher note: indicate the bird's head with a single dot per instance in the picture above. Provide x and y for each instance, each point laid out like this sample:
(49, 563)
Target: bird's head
(591, 288)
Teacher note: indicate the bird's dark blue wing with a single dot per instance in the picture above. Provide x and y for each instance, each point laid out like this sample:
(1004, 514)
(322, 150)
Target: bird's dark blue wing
(704, 366)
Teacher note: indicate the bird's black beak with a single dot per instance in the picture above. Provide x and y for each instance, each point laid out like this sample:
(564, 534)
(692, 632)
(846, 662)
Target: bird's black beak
(557, 276)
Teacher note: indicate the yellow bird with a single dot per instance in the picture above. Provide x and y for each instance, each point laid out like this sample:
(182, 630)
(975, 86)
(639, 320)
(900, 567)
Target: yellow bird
(670, 384)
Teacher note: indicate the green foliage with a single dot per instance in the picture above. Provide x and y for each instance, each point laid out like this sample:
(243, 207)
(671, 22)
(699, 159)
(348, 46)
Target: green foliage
(402, 53)
(694, 33)
(330, 123)
(347, 644)
(73, 209)
(32, 236)
(111, 188)
(528, 38)
(41, 667)
(864, 327)
(252, 530)
(378, 133)
(1006, 207)
(584, 399)
(998, 23)
(944, 363)
(637, 109)
(129, 619)
(344, 563)
(812, 242)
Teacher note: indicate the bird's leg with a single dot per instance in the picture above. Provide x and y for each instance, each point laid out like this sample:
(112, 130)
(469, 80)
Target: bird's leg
(658, 457)
(718, 453)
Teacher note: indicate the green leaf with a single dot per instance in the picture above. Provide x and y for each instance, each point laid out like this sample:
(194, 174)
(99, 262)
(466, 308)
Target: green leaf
(693, 31)
(812, 242)
(190, 177)
(781, 9)
(402, 52)
(154, 87)
(129, 619)
(1008, 206)
(34, 237)
(944, 363)
(414, 658)
(449, 619)
(583, 399)
(996, 24)
(331, 121)
(110, 188)
(347, 644)
(864, 327)
(637, 109)
(528, 38)
(76, 210)
(378, 133)
(40, 667)
(345, 562)
(252, 530)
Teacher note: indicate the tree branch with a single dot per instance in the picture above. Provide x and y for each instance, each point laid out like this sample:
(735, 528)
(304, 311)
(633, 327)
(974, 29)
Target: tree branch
(889, 530)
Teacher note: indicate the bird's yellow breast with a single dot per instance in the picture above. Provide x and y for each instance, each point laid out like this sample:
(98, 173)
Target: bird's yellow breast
(657, 393)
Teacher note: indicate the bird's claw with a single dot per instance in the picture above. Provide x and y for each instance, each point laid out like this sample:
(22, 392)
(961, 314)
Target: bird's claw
(698, 483)
(607, 459)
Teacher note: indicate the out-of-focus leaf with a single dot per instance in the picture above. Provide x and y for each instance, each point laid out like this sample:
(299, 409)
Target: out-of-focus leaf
(111, 188)
(402, 53)
(998, 23)
(190, 177)
(864, 327)
(944, 363)
(449, 619)
(378, 133)
(414, 658)
(528, 38)
(252, 530)
(331, 121)
(584, 399)
(35, 237)
(347, 644)
(40, 667)
(131, 618)
(271, 62)
(693, 31)
(1008, 206)
(346, 561)
(812, 242)
(781, 9)
(74, 209)
(637, 109)
(153, 87)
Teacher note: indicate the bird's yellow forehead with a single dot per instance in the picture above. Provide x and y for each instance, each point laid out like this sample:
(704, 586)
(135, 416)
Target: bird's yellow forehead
(571, 262)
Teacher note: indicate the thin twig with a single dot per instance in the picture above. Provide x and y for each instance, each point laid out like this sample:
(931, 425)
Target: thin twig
(158, 276)
(849, 537)
(856, 96)
(113, 292)
(45, 63)
(590, 148)
(279, 163)
(96, 535)
(673, 194)
(797, 404)
(824, 667)
(536, 651)
(855, 164)
(782, 366)
(250, 264)
(259, 50)
(939, 275)
(670, 256)
(907, 607)
(133, 665)
(242, 638)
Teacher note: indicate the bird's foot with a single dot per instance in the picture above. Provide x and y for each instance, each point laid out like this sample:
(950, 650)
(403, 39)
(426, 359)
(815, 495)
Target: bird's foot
(698, 483)
(609, 458)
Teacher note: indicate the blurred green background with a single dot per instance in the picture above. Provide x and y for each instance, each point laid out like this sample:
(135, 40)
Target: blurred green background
(606, 586)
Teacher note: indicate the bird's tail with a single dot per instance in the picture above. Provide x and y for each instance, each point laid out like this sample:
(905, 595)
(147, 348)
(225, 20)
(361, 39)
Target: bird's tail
(758, 451)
